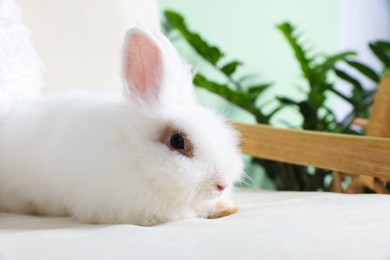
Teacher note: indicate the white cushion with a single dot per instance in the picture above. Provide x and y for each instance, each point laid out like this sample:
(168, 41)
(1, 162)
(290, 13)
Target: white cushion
(269, 225)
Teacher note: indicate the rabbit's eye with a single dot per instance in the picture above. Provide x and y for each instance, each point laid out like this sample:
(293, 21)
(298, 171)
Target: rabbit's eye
(177, 141)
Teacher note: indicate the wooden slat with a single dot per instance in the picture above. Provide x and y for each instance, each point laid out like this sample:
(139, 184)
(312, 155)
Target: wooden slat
(339, 152)
(378, 125)
(379, 122)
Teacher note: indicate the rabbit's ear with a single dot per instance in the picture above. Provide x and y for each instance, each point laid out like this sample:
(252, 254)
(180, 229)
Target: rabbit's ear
(154, 72)
(142, 65)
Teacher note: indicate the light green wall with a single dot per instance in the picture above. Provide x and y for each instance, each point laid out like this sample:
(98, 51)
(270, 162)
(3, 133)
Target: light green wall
(246, 30)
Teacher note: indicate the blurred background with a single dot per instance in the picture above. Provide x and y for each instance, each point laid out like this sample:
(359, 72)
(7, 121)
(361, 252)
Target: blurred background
(247, 31)
(299, 64)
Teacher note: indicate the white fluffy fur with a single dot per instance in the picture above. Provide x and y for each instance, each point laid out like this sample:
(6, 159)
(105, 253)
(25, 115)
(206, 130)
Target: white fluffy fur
(20, 66)
(100, 159)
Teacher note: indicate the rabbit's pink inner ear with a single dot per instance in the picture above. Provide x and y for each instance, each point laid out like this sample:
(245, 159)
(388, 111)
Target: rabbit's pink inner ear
(142, 66)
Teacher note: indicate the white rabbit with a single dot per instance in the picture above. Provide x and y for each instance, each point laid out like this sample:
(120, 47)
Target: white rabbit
(151, 157)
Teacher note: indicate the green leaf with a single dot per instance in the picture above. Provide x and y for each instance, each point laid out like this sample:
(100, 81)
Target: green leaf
(365, 70)
(318, 100)
(384, 45)
(338, 93)
(208, 52)
(287, 101)
(309, 115)
(236, 97)
(300, 53)
(331, 61)
(230, 68)
(220, 89)
(256, 90)
(381, 53)
(343, 75)
(306, 109)
(357, 98)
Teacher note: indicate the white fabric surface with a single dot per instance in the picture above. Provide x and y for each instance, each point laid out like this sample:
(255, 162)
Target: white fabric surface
(269, 225)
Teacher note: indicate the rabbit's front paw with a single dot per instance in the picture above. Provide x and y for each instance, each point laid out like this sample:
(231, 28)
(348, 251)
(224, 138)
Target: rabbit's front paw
(222, 210)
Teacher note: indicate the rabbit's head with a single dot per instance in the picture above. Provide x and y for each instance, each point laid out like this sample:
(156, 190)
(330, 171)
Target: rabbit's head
(186, 150)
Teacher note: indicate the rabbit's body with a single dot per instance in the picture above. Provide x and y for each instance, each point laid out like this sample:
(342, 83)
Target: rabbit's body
(152, 157)
(94, 160)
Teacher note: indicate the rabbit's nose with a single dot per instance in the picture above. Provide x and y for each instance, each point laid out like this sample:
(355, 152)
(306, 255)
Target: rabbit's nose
(221, 187)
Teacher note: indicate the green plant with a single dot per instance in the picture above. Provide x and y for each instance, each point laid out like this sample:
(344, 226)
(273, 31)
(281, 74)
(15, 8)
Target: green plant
(232, 89)
(318, 72)
(363, 96)
(315, 70)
